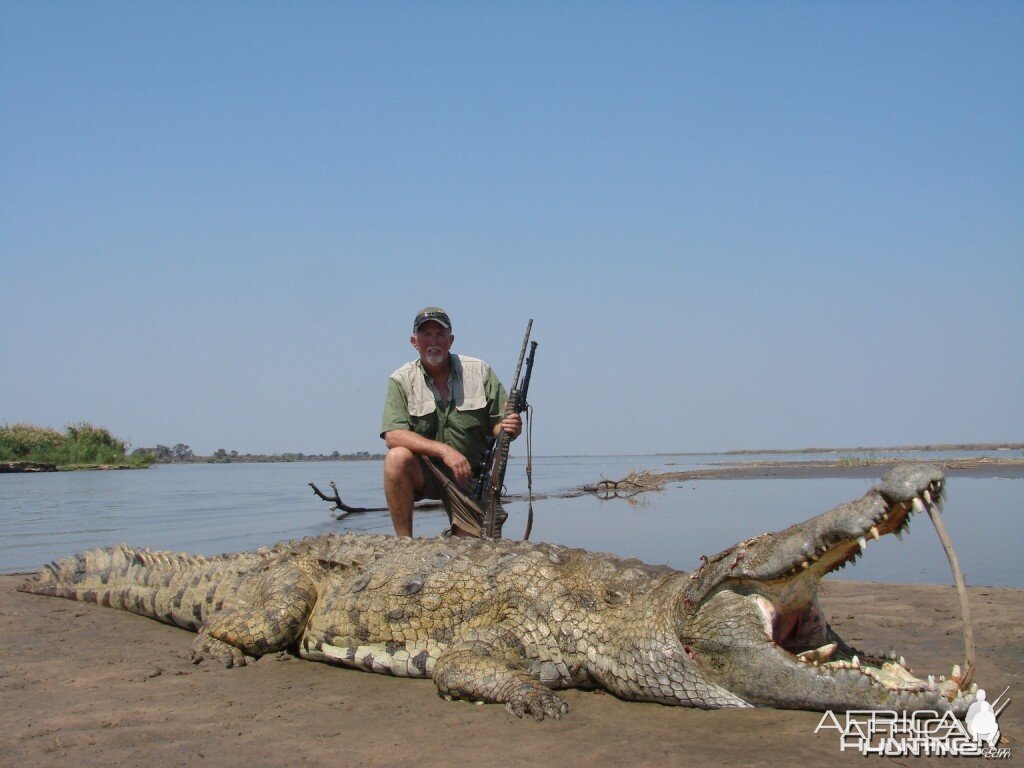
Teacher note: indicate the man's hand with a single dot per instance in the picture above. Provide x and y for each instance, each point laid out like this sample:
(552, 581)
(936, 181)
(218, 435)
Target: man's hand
(512, 425)
(458, 464)
(424, 446)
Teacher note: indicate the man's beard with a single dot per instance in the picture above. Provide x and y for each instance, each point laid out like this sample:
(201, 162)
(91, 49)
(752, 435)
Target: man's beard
(435, 358)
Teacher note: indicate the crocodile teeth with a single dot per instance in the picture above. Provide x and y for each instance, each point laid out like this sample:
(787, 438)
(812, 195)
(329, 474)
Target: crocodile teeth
(931, 681)
(918, 504)
(862, 542)
(899, 534)
(805, 565)
(824, 653)
(927, 497)
(874, 533)
(956, 674)
(903, 662)
(856, 662)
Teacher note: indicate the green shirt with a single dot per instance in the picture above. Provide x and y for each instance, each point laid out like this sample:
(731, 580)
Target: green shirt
(465, 422)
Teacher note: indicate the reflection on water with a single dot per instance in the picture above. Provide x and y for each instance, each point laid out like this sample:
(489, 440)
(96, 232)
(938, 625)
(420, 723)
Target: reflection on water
(229, 507)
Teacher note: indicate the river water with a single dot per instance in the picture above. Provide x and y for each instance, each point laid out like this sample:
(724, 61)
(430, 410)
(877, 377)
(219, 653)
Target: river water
(213, 508)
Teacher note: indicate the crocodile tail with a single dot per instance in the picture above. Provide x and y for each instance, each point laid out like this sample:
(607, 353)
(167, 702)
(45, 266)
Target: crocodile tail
(176, 589)
(73, 577)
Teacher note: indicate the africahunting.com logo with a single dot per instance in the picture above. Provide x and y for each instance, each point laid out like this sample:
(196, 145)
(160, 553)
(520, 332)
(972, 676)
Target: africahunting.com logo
(925, 733)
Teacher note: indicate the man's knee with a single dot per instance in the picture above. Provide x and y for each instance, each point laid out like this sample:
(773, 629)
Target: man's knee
(402, 464)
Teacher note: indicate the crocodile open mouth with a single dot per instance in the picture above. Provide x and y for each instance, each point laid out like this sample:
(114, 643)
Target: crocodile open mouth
(794, 621)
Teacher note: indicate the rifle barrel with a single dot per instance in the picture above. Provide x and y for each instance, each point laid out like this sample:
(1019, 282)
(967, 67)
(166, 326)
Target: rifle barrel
(500, 459)
(522, 355)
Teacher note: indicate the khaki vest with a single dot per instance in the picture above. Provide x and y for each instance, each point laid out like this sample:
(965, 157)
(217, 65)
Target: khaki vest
(466, 383)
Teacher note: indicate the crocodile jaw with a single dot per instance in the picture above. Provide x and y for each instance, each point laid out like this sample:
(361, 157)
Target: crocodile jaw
(762, 597)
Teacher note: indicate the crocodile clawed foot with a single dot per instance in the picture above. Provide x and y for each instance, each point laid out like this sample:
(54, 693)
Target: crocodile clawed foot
(537, 702)
(206, 647)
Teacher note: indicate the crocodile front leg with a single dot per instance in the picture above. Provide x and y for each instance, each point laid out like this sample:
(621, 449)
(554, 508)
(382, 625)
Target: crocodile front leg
(271, 621)
(489, 670)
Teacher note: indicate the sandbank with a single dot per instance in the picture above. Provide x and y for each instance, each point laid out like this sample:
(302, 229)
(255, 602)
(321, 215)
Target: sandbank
(91, 686)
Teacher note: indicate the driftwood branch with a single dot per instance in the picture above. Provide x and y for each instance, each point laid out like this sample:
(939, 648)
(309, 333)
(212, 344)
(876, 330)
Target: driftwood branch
(338, 504)
(632, 484)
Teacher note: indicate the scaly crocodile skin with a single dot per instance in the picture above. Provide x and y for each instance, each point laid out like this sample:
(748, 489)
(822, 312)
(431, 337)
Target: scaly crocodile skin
(510, 622)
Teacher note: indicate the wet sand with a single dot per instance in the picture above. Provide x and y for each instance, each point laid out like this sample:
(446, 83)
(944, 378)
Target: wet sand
(90, 686)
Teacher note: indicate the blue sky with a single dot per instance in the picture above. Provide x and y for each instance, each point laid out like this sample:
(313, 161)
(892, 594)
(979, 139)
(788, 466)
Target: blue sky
(736, 225)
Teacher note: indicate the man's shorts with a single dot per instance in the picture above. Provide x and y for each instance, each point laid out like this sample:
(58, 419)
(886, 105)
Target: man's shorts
(431, 488)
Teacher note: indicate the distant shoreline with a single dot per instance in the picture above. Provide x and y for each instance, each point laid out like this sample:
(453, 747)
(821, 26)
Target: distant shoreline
(17, 467)
(643, 481)
(273, 458)
(852, 461)
(930, 448)
(966, 467)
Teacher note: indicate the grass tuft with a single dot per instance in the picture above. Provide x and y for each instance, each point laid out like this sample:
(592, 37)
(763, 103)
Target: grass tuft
(81, 444)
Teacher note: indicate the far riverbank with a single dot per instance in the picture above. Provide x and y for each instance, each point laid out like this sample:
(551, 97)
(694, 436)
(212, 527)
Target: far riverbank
(931, 447)
(983, 466)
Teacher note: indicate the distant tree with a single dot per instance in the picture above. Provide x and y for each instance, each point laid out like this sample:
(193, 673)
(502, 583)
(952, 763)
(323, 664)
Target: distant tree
(234, 454)
(182, 452)
(220, 454)
(335, 455)
(159, 453)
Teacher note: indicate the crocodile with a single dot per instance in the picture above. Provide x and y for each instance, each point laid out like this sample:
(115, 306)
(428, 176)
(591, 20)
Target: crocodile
(512, 622)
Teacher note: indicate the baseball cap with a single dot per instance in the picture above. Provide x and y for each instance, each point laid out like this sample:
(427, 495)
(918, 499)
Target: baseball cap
(435, 314)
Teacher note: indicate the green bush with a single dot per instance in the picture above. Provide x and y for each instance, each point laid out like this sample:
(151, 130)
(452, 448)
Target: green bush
(25, 442)
(81, 444)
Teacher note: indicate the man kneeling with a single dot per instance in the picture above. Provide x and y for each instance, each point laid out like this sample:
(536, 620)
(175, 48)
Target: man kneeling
(440, 408)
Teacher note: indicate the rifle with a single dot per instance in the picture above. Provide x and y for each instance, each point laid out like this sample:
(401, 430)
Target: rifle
(492, 476)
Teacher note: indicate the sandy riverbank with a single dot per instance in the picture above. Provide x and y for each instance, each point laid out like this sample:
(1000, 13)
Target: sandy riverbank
(795, 470)
(639, 482)
(85, 685)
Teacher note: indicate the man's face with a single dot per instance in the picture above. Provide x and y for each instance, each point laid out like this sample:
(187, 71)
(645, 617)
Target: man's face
(432, 341)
